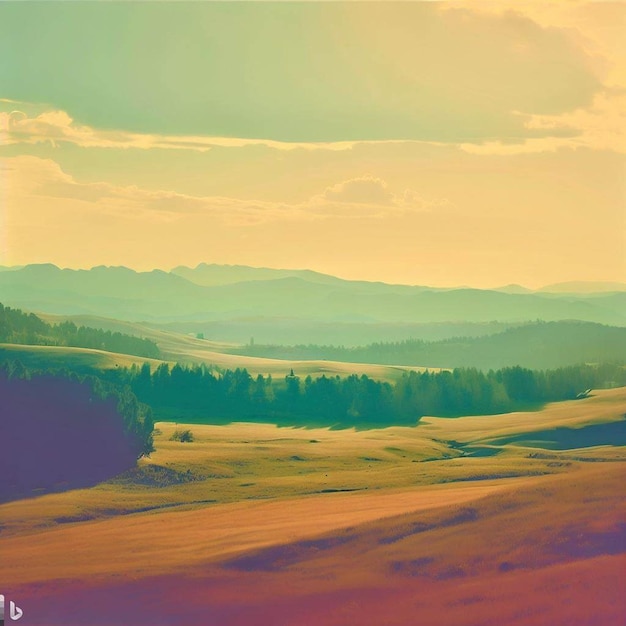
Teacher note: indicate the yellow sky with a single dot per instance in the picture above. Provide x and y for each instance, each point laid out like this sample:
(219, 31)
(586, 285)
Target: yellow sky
(448, 144)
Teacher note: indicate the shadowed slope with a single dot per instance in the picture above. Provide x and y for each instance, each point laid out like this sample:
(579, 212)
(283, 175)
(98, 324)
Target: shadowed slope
(539, 551)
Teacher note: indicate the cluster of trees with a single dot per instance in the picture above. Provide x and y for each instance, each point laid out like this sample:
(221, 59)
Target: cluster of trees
(199, 393)
(468, 391)
(202, 393)
(536, 345)
(22, 328)
(60, 431)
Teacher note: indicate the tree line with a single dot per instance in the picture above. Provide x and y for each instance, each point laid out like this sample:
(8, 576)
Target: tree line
(205, 394)
(29, 329)
(67, 430)
(536, 345)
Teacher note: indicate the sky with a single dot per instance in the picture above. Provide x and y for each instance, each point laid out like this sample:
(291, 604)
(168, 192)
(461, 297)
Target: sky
(432, 143)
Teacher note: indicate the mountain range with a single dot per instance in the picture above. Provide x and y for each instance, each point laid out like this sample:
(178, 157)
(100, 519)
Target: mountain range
(209, 294)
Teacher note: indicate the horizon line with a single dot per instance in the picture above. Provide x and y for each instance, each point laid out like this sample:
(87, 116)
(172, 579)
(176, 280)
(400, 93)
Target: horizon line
(309, 270)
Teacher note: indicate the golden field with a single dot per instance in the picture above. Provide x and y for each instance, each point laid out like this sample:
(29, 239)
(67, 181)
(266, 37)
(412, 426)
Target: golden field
(254, 524)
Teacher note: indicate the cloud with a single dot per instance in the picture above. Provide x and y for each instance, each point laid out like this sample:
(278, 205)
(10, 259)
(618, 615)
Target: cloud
(365, 190)
(56, 126)
(364, 197)
(9, 101)
(431, 73)
(369, 196)
(43, 178)
(25, 174)
(601, 126)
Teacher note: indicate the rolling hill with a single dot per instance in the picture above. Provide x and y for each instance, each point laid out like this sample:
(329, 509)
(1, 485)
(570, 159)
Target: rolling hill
(256, 524)
(86, 361)
(538, 345)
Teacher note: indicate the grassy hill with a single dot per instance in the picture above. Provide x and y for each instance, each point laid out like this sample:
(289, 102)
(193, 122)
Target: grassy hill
(83, 360)
(19, 327)
(223, 334)
(340, 527)
(539, 345)
(86, 361)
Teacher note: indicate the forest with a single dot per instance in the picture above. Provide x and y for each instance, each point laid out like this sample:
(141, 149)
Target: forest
(536, 345)
(203, 394)
(69, 430)
(29, 329)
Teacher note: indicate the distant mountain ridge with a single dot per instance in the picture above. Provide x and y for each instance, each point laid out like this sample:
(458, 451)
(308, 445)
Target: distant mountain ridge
(214, 274)
(513, 289)
(583, 287)
(211, 274)
(537, 345)
(161, 297)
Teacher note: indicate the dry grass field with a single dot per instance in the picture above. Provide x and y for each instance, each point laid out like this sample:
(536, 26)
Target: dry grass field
(474, 520)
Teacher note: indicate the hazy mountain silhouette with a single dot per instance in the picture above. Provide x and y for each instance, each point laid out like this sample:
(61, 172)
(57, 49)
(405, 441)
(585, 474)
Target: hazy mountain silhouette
(580, 287)
(211, 274)
(513, 288)
(160, 296)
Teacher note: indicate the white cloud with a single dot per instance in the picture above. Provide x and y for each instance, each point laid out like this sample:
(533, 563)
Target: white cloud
(364, 190)
(530, 146)
(55, 126)
(362, 197)
(371, 195)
